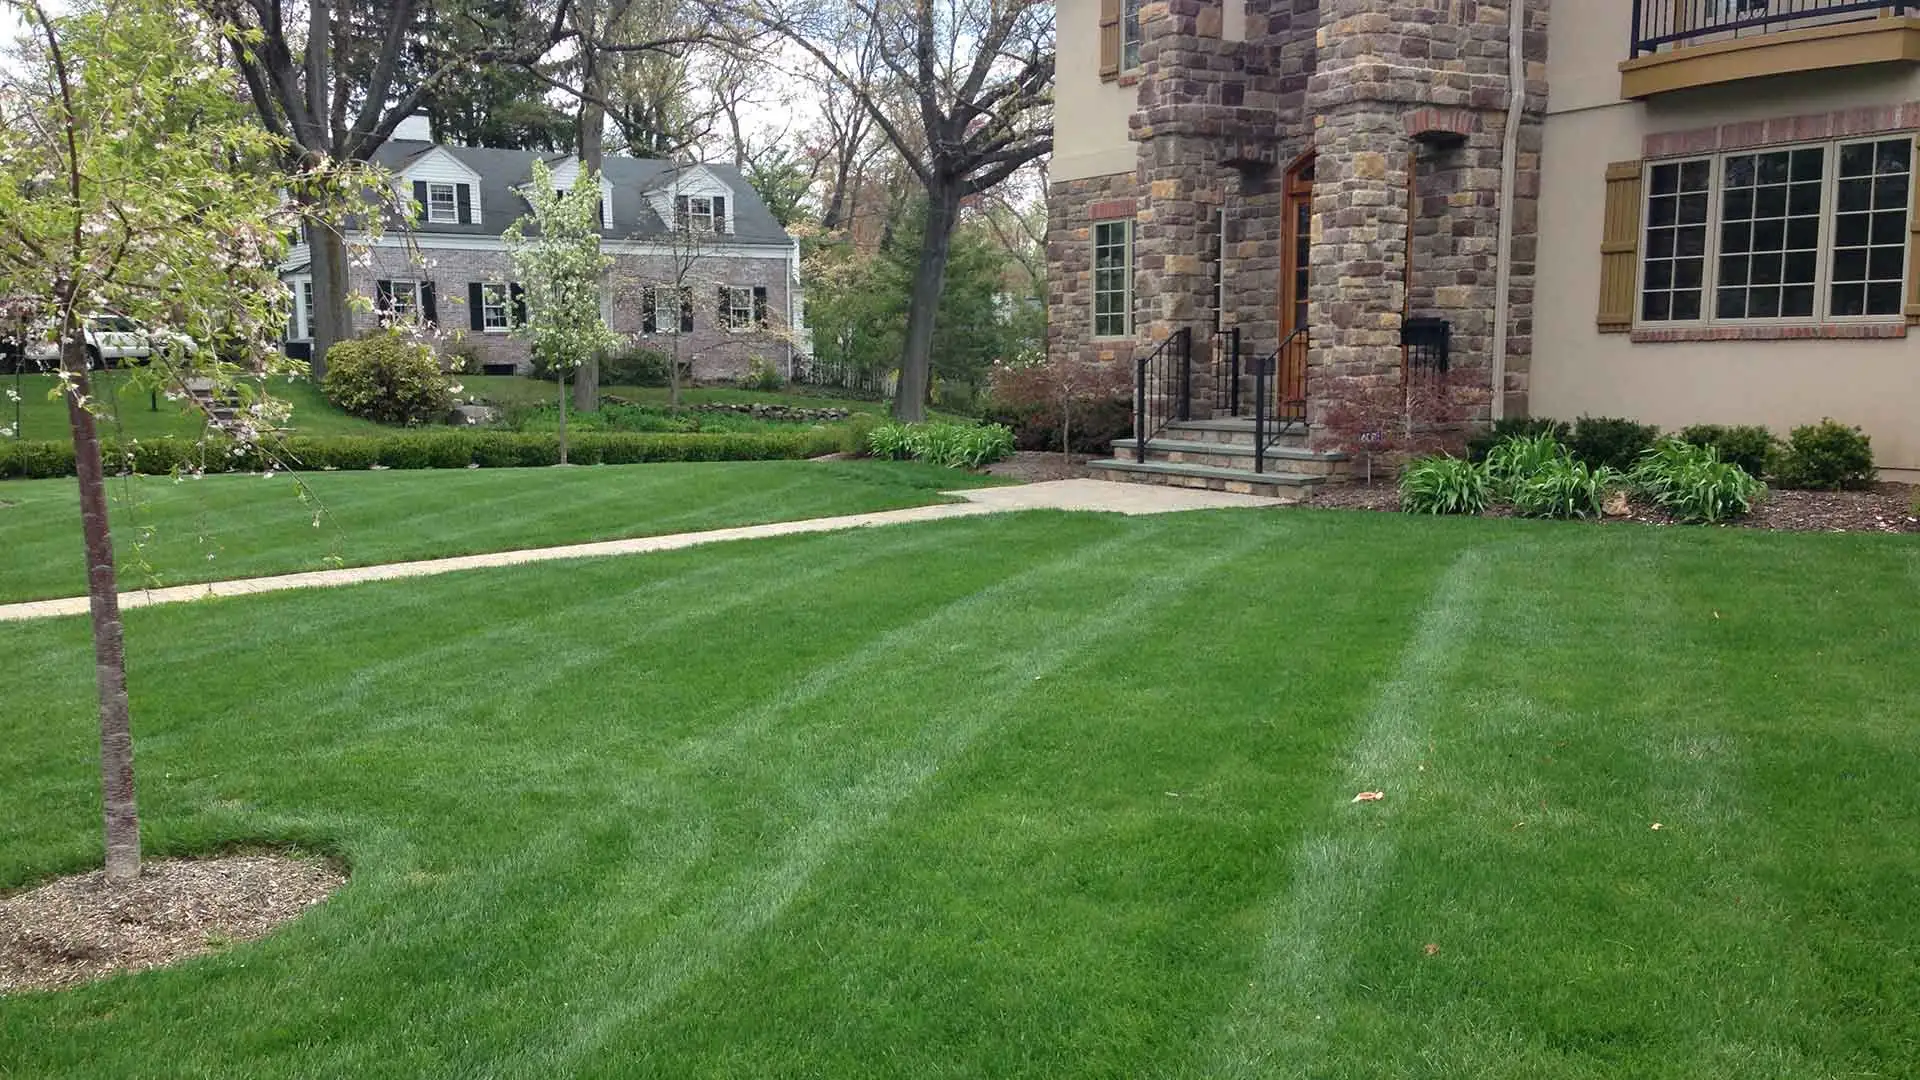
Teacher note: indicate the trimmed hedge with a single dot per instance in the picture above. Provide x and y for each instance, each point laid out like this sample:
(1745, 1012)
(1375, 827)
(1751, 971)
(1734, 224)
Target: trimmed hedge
(429, 450)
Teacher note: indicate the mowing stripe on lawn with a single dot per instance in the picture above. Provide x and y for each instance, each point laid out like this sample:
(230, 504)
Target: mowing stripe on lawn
(757, 896)
(1277, 1026)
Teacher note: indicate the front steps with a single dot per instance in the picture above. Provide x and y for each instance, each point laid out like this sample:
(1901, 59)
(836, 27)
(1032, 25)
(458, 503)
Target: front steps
(1218, 455)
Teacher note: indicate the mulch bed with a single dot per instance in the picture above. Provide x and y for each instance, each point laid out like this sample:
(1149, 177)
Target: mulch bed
(75, 929)
(1883, 508)
(1033, 466)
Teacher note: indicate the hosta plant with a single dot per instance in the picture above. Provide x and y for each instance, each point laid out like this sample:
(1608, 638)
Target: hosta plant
(1444, 485)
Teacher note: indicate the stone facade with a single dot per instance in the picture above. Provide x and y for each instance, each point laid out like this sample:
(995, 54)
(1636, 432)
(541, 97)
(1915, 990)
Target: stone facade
(717, 354)
(1072, 208)
(1403, 105)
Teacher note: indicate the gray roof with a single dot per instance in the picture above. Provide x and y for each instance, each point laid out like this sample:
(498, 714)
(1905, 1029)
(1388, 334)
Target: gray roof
(503, 171)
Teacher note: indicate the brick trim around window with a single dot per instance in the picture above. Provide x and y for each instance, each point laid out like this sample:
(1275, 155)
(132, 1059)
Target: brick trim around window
(1816, 127)
(1817, 332)
(1109, 209)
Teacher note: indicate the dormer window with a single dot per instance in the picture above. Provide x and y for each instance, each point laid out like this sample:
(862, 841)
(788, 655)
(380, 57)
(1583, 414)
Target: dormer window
(443, 204)
(703, 213)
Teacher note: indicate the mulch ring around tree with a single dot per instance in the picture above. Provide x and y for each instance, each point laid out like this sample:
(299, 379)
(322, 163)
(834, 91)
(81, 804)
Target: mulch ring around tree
(76, 929)
(1883, 508)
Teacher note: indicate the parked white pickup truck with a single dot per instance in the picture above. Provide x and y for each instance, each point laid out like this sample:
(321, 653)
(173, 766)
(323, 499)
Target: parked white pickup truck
(109, 338)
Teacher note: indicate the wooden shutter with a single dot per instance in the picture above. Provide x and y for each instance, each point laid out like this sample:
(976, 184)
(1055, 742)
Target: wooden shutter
(383, 297)
(686, 309)
(476, 306)
(428, 311)
(1913, 252)
(1620, 248)
(463, 198)
(760, 306)
(1110, 39)
(720, 213)
(726, 310)
(519, 296)
(648, 324)
(680, 212)
(420, 196)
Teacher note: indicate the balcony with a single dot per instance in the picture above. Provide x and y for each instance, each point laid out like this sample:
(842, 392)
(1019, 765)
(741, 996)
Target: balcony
(1679, 44)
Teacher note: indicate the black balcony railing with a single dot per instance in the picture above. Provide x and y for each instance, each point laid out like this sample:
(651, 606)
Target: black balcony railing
(1661, 23)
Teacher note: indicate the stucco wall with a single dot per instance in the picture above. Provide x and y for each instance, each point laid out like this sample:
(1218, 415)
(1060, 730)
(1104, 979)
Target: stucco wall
(717, 353)
(1089, 116)
(1576, 369)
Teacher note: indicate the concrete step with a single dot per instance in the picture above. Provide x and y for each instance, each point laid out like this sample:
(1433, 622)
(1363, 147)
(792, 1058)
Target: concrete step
(1284, 485)
(1230, 430)
(1224, 455)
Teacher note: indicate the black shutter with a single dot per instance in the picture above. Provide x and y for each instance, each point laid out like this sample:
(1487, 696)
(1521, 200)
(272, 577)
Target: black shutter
(428, 311)
(760, 306)
(463, 194)
(686, 309)
(519, 296)
(680, 211)
(726, 311)
(603, 211)
(383, 298)
(648, 324)
(719, 214)
(476, 304)
(420, 196)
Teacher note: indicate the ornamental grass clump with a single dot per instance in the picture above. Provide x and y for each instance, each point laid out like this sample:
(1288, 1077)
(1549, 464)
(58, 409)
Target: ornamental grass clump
(956, 446)
(1514, 460)
(1444, 485)
(1564, 488)
(1693, 484)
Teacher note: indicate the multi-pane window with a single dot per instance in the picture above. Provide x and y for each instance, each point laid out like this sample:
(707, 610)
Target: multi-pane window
(443, 204)
(306, 307)
(404, 302)
(739, 307)
(1113, 279)
(696, 212)
(1801, 233)
(494, 300)
(1871, 199)
(1129, 34)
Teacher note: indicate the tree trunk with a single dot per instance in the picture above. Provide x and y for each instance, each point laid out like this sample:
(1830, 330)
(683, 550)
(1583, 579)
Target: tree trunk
(673, 375)
(562, 376)
(330, 319)
(916, 359)
(109, 651)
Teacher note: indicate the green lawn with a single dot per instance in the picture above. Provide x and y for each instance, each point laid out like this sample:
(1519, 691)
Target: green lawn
(136, 414)
(1046, 795)
(170, 532)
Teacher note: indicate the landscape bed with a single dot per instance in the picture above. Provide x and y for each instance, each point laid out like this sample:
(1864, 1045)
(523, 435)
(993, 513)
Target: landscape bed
(1040, 795)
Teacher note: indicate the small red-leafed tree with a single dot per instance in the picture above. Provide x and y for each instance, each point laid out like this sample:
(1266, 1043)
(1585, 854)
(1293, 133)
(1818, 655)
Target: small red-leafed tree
(1394, 420)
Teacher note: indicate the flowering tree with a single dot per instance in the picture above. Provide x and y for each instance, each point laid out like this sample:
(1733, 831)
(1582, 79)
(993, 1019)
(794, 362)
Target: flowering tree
(562, 267)
(131, 181)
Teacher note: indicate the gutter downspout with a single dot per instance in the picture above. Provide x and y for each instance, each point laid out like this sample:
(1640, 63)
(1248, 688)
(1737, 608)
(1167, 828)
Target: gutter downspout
(1509, 179)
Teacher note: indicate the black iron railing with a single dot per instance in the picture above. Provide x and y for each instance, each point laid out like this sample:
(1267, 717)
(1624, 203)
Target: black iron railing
(1226, 372)
(1279, 395)
(1162, 389)
(1658, 23)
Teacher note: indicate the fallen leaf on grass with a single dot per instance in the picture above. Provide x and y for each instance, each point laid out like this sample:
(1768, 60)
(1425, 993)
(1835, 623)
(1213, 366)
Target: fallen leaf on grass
(1656, 826)
(1370, 796)
(1432, 949)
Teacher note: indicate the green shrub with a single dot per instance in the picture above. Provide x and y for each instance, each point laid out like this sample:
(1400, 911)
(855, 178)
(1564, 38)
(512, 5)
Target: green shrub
(388, 378)
(1445, 485)
(1610, 441)
(1693, 483)
(1525, 427)
(1564, 488)
(857, 433)
(635, 367)
(953, 445)
(1827, 456)
(1747, 445)
(1514, 459)
(762, 375)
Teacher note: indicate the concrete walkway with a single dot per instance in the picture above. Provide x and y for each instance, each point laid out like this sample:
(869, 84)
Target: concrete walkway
(1100, 496)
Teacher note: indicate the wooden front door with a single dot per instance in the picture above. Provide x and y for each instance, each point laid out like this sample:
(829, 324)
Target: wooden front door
(1296, 261)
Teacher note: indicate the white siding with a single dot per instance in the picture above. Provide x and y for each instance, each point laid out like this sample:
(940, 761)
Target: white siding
(693, 181)
(567, 172)
(439, 167)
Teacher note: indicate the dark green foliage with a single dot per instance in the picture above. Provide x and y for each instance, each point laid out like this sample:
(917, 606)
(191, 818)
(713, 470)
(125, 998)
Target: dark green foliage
(1747, 445)
(957, 446)
(1514, 427)
(1564, 488)
(1445, 485)
(1693, 483)
(1518, 457)
(1610, 441)
(635, 367)
(1827, 456)
(386, 377)
(1036, 425)
(451, 449)
(762, 376)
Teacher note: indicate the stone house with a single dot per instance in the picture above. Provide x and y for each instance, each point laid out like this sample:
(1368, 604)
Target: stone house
(727, 284)
(1681, 211)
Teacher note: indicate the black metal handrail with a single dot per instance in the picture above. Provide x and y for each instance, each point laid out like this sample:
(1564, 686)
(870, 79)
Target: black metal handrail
(1168, 371)
(1226, 372)
(1279, 394)
(1671, 22)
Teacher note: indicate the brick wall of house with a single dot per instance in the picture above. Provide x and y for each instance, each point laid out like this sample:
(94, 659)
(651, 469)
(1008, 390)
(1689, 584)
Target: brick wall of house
(718, 354)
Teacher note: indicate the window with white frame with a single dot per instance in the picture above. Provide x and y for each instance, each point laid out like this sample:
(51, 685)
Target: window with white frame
(495, 298)
(740, 315)
(300, 318)
(1129, 35)
(1802, 233)
(403, 302)
(667, 303)
(1113, 279)
(696, 212)
(443, 204)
